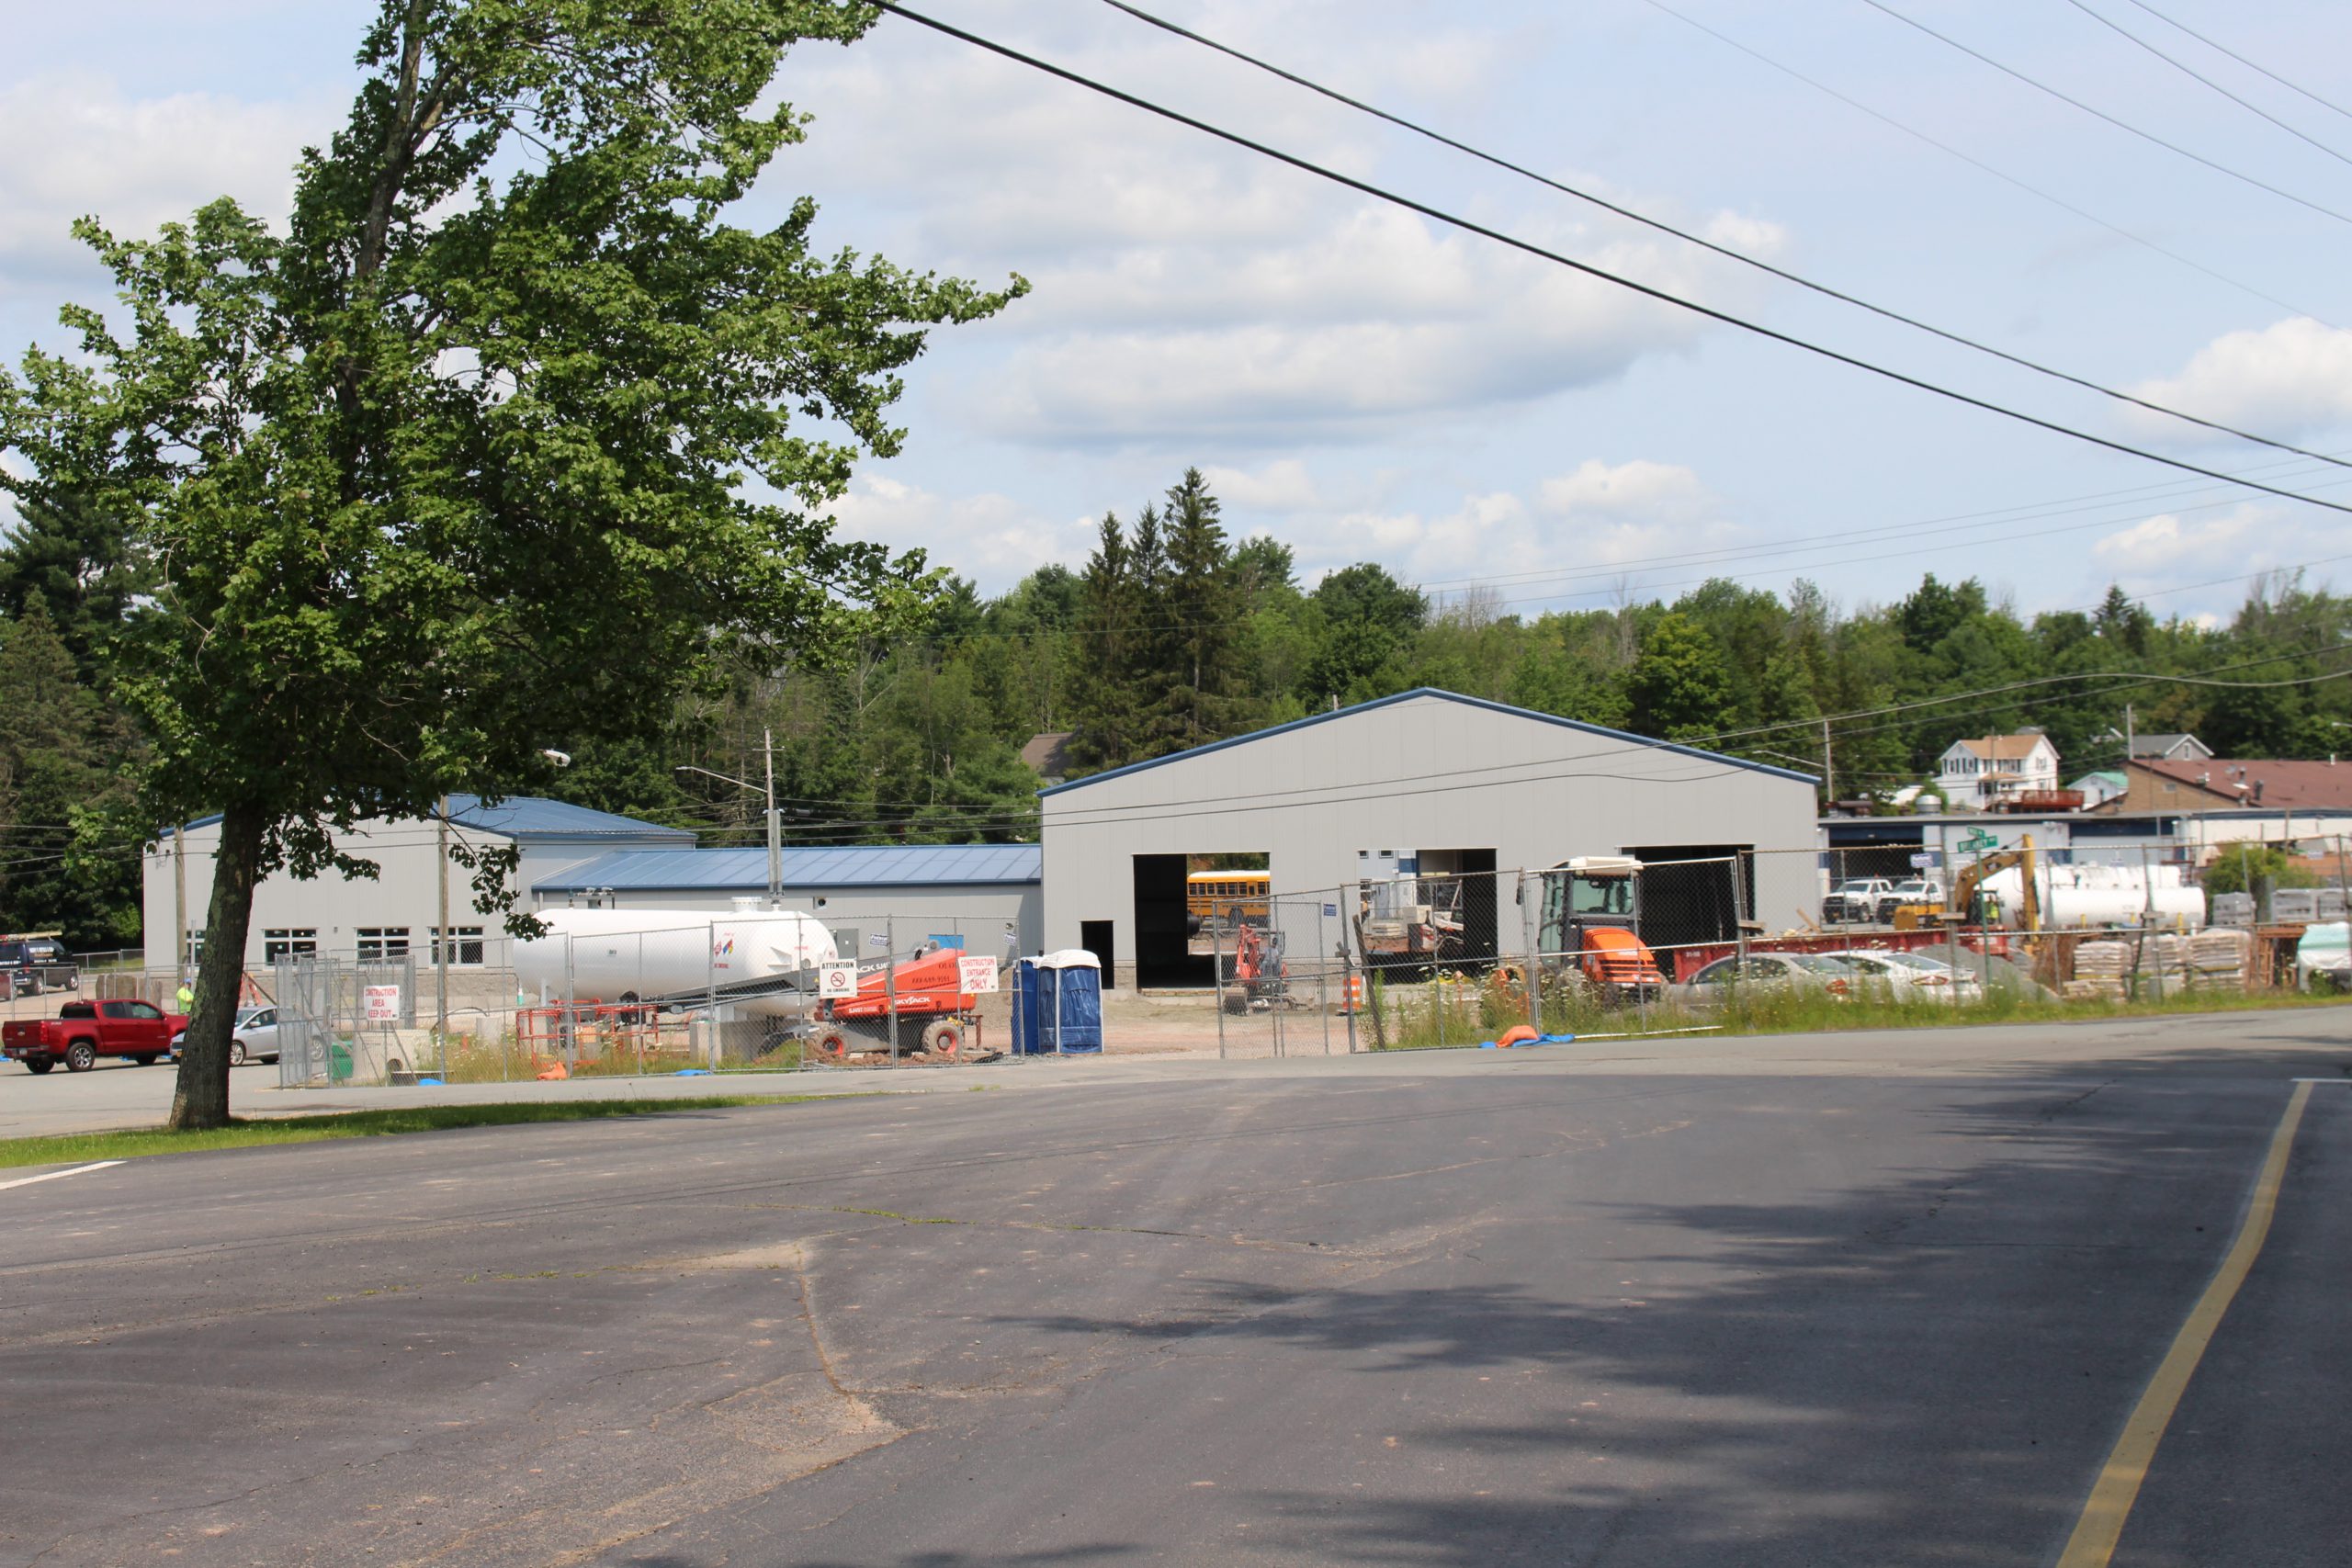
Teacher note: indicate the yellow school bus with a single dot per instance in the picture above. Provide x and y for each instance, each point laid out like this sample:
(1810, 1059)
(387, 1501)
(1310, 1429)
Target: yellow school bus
(1227, 897)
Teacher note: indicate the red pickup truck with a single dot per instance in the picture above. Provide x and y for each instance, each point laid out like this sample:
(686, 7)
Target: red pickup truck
(84, 1031)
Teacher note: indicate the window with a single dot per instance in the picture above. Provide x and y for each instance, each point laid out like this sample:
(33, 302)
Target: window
(465, 946)
(382, 944)
(195, 953)
(129, 1009)
(288, 942)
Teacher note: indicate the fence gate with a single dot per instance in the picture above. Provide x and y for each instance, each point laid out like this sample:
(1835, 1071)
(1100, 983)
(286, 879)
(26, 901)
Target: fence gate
(343, 1022)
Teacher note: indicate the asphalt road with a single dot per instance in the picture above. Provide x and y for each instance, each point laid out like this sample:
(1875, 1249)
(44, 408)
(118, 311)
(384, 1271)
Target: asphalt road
(1809, 1302)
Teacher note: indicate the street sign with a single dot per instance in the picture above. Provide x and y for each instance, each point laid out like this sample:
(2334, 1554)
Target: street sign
(383, 1003)
(976, 974)
(1978, 841)
(836, 980)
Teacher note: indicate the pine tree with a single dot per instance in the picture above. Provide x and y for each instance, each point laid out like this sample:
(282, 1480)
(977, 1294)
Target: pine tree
(1206, 696)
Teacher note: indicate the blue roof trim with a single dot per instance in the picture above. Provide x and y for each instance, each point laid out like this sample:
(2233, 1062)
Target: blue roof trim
(832, 867)
(1448, 696)
(527, 817)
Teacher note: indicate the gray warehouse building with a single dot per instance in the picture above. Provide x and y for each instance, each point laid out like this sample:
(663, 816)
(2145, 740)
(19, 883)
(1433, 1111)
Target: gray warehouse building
(1455, 783)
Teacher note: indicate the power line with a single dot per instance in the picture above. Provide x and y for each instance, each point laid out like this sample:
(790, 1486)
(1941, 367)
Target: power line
(1703, 243)
(1663, 296)
(2242, 60)
(1975, 163)
(2102, 114)
(2189, 71)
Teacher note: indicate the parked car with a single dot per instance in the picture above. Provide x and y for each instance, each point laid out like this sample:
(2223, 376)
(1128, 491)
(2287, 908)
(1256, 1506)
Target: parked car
(1908, 974)
(1769, 970)
(1855, 900)
(1925, 891)
(254, 1036)
(84, 1031)
(37, 963)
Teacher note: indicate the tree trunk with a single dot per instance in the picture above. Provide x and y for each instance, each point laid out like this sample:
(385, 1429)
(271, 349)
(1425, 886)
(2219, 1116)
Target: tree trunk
(201, 1099)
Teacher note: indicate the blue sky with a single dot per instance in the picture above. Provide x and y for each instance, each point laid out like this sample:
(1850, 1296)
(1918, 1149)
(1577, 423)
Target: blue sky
(1366, 385)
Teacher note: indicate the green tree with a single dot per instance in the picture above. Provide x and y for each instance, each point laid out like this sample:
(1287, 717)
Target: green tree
(1680, 688)
(455, 469)
(2241, 865)
(68, 862)
(1208, 696)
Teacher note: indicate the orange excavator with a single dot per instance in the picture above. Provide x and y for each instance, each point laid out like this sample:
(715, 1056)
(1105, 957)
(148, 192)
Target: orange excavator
(1592, 922)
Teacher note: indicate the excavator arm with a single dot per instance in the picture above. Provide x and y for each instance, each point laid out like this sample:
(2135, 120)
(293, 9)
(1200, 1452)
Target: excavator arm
(1964, 889)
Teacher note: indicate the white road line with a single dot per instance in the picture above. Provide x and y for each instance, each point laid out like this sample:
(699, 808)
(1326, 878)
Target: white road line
(2321, 1080)
(28, 1180)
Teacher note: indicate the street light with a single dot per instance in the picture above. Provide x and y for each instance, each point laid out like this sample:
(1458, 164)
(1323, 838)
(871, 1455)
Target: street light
(776, 822)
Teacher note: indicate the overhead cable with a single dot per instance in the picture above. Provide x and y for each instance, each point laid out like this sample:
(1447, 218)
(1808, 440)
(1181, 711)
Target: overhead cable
(2193, 73)
(1703, 243)
(2214, 43)
(1528, 247)
(2101, 114)
(1975, 163)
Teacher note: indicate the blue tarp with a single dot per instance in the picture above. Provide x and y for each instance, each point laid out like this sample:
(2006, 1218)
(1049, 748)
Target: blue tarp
(1057, 1007)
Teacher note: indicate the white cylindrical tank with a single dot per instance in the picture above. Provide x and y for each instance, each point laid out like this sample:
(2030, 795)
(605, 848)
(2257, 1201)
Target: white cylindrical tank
(2087, 897)
(628, 954)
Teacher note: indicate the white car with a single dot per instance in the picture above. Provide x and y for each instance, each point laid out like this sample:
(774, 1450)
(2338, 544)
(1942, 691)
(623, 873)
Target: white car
(1909, 974)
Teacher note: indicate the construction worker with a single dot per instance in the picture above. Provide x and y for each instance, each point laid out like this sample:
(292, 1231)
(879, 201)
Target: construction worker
(187, 998)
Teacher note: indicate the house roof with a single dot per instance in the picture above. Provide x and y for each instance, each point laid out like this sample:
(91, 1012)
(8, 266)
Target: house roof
(2005, 748)
(1048, 753)
(2285, 783)
(2166, 745)
(527, 817)
(1417, 694)
(849, 866)
(2106, 778)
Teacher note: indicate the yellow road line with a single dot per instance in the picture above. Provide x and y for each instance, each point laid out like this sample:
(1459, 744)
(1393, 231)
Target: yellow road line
(2093, 1542)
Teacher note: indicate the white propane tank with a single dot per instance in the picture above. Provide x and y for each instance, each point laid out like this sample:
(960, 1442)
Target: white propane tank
(2076, 897)
(621, 954)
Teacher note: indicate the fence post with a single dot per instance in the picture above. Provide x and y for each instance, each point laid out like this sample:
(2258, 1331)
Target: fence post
(637, 1032)
(1531, 933)
(1216, 973)
(710, 992)
(1322, 977)
(891, 980)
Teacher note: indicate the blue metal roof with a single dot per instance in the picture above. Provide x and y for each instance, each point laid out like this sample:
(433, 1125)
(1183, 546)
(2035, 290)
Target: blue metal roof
(1444, 696)
(529, 817)
(858, 865)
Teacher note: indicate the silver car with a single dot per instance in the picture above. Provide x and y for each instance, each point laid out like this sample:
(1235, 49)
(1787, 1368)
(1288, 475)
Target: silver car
(254, 1036)
(1766, 971)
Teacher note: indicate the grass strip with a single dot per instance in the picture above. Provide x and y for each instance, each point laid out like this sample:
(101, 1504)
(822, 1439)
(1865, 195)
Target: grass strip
(77, 1148)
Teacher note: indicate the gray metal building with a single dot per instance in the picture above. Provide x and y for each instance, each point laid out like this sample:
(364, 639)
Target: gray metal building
(990, 895)
(1461, 784)
(397, 910)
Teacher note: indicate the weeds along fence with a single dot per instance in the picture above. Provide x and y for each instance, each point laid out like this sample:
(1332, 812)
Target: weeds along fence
(674, 997)
(1675, 944)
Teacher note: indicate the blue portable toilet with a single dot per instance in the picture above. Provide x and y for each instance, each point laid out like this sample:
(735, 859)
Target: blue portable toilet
(1057, 1004)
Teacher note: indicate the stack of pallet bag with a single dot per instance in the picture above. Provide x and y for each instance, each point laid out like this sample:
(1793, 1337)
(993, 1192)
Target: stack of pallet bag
(2099, 969)
(2163, 964)
(2218, 958)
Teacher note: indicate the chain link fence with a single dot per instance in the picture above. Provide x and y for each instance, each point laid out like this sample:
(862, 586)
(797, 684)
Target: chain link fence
(1286, 981)
(1607, 946)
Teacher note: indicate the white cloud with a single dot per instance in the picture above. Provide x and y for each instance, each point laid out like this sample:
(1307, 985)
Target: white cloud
(78, 147)
(2292, 377)
(1581, 534)
(989, 537)
(2156, 543)
(1188, 292)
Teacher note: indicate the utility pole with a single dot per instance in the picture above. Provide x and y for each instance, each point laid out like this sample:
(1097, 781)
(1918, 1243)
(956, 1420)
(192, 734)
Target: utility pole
(775, 827)
(179, 903)
(2131, 743)
(441, 941)
(1829, 764)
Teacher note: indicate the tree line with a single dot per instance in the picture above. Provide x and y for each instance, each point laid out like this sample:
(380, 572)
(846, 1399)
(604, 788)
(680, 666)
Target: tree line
(1172, 634)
